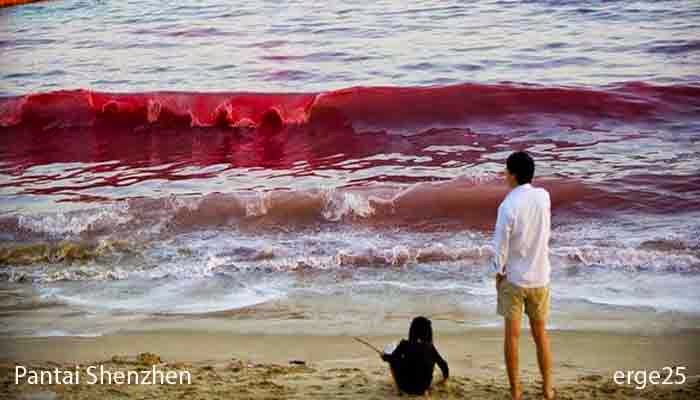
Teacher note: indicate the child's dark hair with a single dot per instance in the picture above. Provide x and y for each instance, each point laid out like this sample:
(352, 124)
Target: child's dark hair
(421, 330)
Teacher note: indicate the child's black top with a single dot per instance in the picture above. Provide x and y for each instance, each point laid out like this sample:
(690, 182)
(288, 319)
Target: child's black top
(413, 364)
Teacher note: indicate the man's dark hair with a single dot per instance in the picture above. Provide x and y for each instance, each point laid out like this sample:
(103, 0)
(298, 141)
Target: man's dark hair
(421, 330)
(521, 166)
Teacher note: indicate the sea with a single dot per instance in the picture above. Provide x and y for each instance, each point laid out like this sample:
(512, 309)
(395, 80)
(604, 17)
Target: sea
(333, 167)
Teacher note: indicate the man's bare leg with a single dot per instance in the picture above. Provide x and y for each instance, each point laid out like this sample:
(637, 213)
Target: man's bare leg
(544, 355)
(510, 348)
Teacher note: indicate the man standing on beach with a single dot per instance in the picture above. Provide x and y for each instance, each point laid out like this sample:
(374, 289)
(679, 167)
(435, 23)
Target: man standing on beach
(521, 264)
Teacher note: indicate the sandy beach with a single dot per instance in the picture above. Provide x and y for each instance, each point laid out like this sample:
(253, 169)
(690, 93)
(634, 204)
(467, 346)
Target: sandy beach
(335, 367)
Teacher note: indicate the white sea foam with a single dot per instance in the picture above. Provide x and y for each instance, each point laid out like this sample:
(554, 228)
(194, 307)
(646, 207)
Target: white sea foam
(369, 274)
(64, 224)
(338, 205)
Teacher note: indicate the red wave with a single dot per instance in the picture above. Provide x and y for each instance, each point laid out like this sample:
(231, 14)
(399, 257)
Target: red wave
(8, 3)
(359, 107)
(455, 204)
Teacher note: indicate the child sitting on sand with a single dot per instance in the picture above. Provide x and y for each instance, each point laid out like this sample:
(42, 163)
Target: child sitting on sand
(413, 360)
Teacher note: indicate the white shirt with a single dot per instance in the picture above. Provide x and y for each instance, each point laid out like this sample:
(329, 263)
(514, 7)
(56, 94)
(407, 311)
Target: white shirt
(521, 237)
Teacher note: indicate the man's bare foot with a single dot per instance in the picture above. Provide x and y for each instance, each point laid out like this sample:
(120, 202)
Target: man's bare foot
(516, 394)
(550, 394)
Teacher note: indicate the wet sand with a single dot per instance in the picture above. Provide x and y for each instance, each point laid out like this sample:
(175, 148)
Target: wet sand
(235, 366)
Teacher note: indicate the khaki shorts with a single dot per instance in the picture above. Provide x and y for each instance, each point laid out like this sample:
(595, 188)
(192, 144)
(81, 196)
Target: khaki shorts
(513, 298)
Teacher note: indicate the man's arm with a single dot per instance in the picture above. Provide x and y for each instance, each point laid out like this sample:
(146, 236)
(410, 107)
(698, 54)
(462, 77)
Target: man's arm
(501, 239)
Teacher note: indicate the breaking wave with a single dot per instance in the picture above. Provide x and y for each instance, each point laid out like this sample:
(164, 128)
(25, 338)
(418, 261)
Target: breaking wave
(359, 107)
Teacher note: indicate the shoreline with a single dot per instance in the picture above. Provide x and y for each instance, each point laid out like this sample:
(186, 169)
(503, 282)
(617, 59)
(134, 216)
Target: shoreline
(259, 366)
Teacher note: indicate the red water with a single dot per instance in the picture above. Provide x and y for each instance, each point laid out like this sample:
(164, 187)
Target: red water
(350, 138)
(358, 107)
(228, 153)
